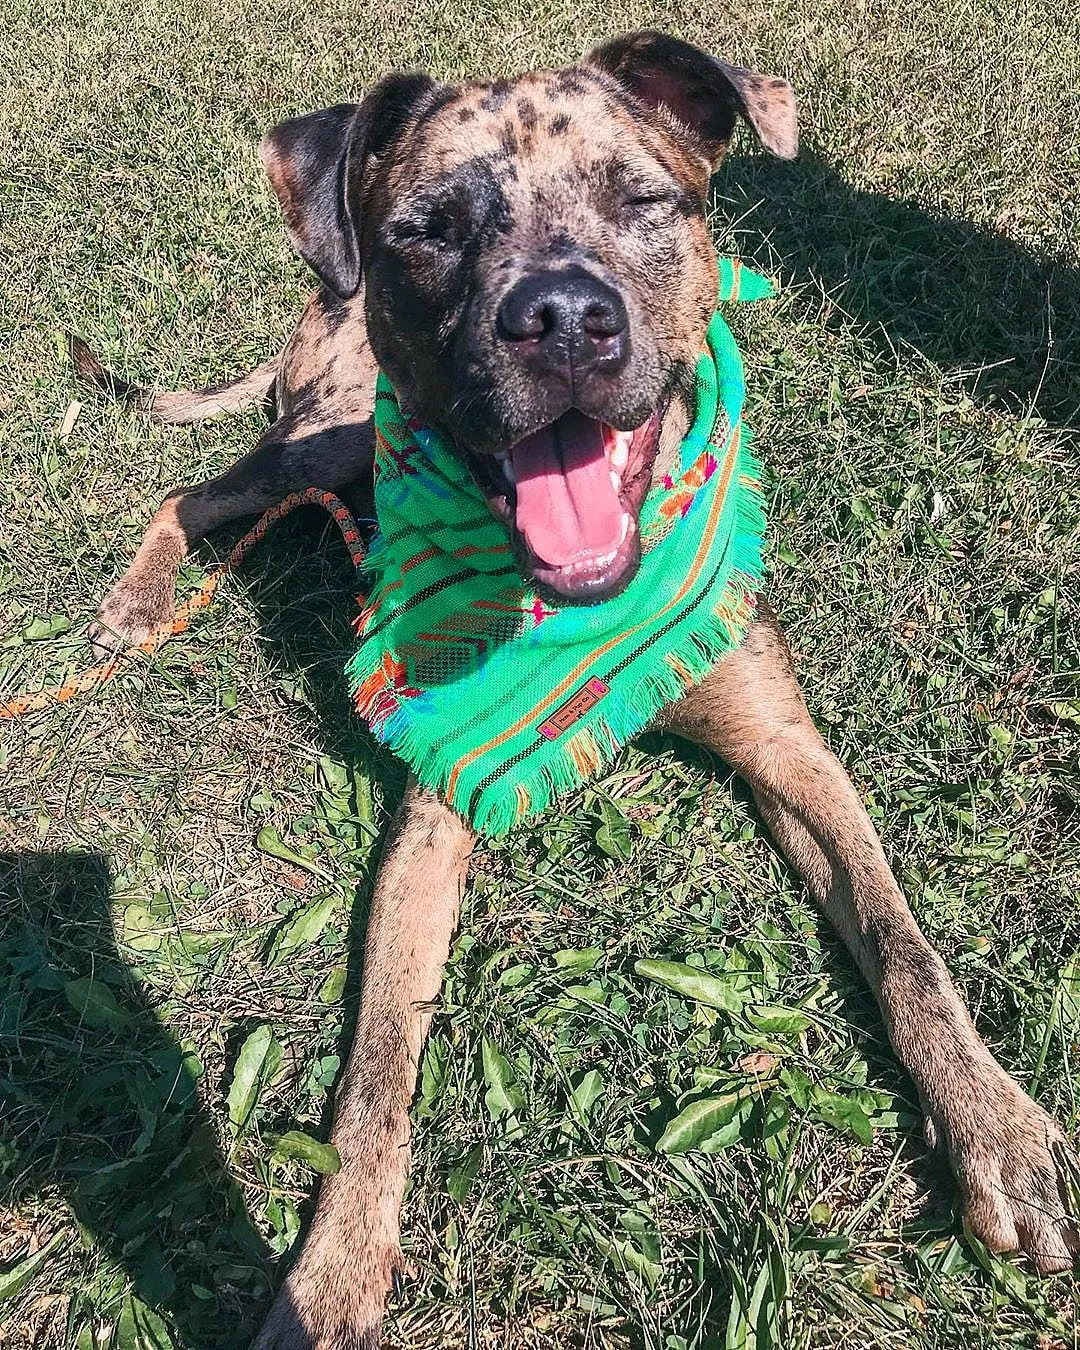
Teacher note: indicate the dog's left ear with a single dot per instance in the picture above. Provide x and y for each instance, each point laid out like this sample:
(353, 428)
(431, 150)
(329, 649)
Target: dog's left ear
(704, 94)
(316, 166)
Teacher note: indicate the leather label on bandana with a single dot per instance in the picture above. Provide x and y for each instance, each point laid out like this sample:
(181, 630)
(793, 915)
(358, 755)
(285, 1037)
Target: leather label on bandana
(574, 709)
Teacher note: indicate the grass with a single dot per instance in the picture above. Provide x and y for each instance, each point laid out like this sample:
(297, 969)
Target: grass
(187, 856)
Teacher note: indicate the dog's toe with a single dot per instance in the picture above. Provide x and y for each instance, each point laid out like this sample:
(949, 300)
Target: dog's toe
(1014, 1165)
(131, 611)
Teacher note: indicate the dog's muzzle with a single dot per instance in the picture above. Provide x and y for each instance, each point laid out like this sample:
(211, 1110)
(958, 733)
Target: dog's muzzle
(566, 325)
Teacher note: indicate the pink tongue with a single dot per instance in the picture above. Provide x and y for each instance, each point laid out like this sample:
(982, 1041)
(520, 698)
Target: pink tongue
(567, 506)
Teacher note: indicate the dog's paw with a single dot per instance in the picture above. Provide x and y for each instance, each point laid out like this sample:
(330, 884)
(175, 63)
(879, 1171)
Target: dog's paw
(332, 1300)
(132, 610)
(1014, 1166)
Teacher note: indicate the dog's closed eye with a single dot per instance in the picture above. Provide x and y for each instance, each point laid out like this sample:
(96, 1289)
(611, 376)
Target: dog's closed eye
(441, 228)
(642, 199)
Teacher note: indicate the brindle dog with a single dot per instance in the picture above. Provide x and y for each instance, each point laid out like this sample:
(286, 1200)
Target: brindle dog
(537, 269)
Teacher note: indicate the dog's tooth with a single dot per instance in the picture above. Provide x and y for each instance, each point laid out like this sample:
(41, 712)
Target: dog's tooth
(620, 452)
(625, 527)
(616, 481)
(507, 467)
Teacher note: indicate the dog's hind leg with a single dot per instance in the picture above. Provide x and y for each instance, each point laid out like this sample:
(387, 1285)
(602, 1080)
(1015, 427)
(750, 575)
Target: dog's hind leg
(333, 1298)
(1009, 1157)
(291, 454)
(324, 389)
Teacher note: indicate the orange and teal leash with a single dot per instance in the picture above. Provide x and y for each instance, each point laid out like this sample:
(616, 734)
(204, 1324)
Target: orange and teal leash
(98, 675)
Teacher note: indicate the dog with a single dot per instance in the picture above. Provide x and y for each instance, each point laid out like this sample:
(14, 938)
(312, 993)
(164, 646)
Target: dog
(511, 253)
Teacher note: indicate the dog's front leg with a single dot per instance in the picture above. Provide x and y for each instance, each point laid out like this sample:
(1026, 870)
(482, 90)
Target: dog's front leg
(333, 1298)
(1006, 1151)
(291, 455)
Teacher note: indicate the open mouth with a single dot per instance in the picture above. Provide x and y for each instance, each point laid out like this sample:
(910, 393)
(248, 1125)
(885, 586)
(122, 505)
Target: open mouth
(571, 493)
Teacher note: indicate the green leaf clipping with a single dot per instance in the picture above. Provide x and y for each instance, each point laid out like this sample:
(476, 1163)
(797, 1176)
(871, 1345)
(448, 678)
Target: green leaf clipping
(305, 927)
(96, 1004)
(708, 1125)
(301, 1147)
(613, 836)
(15, 1279)
(258, 1061)
(502, 1097)
(692, 983)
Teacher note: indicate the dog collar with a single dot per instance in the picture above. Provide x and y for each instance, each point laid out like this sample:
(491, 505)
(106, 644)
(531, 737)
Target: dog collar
(501, 700)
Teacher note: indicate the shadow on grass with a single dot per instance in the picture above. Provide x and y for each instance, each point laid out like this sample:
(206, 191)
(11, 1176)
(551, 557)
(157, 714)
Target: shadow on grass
(100, 1103)
(970, 300)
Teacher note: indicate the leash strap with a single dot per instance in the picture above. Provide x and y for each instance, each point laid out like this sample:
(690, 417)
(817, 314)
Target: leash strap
(181, 620)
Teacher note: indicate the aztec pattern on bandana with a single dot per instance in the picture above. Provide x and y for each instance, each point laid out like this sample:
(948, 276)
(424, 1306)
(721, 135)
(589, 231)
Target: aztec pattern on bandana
(501, 700)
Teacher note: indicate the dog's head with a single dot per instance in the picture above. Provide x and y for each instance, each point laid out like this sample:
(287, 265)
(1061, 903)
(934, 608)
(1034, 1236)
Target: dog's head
(538, 272)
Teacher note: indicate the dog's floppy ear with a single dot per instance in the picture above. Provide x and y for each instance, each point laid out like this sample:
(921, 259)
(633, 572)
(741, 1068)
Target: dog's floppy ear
(316, 163)
(704, 94)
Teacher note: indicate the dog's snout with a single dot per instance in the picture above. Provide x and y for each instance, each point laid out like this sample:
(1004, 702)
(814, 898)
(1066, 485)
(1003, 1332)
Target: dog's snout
(566, 320)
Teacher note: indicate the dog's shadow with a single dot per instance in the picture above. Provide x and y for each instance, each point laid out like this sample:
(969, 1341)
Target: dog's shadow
(101, 1099)
(1001, 317)
(101, 1105)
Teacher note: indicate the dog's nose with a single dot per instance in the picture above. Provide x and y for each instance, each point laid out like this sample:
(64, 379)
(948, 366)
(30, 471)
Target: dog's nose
(565, 321)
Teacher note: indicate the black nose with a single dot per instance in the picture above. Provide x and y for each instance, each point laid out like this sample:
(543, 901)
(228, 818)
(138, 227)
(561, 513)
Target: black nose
(565, 321)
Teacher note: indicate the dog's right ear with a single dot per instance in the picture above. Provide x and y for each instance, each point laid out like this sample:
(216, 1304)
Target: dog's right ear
(316, 166)
(704, 94)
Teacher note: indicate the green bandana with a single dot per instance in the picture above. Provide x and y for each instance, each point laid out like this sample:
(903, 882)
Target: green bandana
(499, 699)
